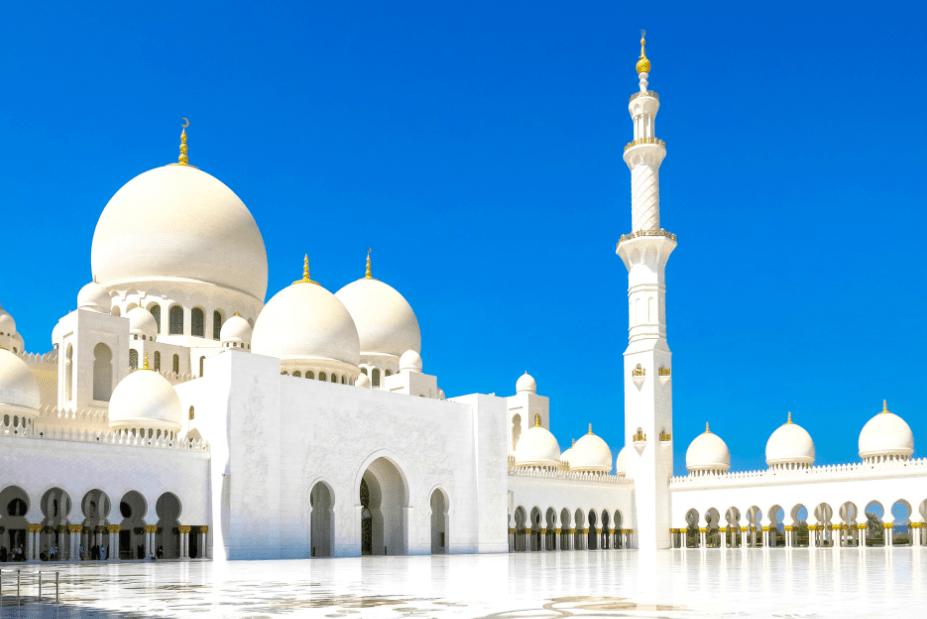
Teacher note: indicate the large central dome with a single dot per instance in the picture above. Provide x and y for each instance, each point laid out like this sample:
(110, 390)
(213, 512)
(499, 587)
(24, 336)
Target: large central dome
(178, 224)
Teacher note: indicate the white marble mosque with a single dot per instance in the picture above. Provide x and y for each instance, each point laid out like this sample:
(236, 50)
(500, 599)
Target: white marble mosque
(179, 415)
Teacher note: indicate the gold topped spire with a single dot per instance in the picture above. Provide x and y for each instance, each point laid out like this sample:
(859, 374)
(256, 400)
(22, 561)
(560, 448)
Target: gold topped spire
(306, 279)
(145, 367)
(643, 65)
(885, 407)
(590, 428)
(574, 442)
(537, 420)
(707, 431)
(368, 275)
(183, 159)
(790, 417)
(237, 314)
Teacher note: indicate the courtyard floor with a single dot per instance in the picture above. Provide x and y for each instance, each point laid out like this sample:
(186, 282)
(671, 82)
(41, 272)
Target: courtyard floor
(876, 582)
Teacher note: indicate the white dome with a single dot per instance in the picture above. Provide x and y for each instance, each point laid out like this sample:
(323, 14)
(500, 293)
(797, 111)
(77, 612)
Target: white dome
(526, 384)
(708, 453)
(142, 322)
(621, 462)
(18, 386)
(565, 456)
(145, 399)
(236, 329)
(591, 454)
(790, 444)
(385, 321)
(56, 333)
(886, 435)
(537, 447)
(363, 381)
(305, 321)
(7, 324)
(410, 361)
(94, 297)
(177, 224)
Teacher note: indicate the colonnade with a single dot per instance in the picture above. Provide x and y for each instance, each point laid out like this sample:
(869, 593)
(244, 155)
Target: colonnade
(819, 536)
(544, 540)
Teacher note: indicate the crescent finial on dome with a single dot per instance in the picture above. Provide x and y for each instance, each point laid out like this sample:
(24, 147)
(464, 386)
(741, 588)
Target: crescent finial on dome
(590, 428)
(790, 417)
(537, 420)
(183, 159)
(885, 406)
(145, 367)
(306, 279)
(368, 275)
(643, 65)
(707, 431)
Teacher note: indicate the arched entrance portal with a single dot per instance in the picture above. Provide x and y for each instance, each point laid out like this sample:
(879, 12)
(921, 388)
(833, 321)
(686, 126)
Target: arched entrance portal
(321, 532)
(383, 499)
(439, 521)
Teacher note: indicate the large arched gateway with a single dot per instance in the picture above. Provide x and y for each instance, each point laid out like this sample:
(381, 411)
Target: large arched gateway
(383, 498)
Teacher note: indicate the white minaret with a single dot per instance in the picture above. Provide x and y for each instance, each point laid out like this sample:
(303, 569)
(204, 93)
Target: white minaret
(648, 395)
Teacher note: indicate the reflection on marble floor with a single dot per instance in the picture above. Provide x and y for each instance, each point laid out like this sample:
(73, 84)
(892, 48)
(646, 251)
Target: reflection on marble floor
(675, 584)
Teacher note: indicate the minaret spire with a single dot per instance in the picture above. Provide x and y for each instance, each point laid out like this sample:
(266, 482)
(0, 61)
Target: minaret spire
(183, 159)
(368, 275)
(648, 398)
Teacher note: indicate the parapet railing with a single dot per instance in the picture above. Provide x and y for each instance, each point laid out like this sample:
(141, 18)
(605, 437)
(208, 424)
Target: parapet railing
(634, 235)
(567, 475)
(111, 437)
(640, 141)
(835, 471)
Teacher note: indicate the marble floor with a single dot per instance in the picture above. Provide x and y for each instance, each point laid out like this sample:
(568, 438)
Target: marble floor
(675, 584)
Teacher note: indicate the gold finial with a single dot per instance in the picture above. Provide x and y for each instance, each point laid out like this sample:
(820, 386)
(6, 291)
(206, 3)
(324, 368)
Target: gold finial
(885, 406)
(95, 279)
(306, 279)
(707, 431)
(590, 428)
(2, 348)
(237, 314)
(183, 159)
(537, 420)
(574, 442)
(145, 367)
(643, 65)
(790, 417)
(368, 275)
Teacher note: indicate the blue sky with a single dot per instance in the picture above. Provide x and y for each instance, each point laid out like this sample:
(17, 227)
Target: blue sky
(476, 146)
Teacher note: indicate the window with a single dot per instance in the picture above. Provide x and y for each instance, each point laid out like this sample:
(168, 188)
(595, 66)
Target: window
(297, 374)
(310, 374)
(176, 364)
(363, 370)
(216, 325)
(115, 311)
(156, 312)
(197, 323)
(202, 360)
(334, 378)
(343, 381)
(191, 412)
(322, 376)
(133, 359)
(102, 372)
(387, 373)
(375, 377)
(157, 361)
(176, 325)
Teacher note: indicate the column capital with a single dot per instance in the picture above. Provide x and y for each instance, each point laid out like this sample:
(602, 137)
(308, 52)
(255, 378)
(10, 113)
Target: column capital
(34, 528)
(204, 529)
(114, 528)
(75, 528)
(184, 529)
(151, 528)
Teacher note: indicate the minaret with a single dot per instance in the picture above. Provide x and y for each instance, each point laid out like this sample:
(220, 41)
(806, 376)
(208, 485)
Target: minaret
(648, 396)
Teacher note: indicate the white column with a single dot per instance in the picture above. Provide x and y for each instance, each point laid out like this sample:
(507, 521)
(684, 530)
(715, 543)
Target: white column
(30, 543)
(543, 544)
(201, 546)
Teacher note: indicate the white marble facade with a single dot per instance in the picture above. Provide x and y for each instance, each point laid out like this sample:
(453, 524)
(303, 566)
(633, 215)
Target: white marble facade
(180, 415)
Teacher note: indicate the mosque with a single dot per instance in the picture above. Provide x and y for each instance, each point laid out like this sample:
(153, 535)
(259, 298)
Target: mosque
(179, 415)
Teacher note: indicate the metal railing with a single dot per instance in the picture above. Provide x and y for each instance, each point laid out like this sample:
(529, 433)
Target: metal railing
(36, 582)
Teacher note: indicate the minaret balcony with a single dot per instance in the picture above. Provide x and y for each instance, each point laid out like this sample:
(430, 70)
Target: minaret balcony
(639, 233)
(646, 93)
(640, 141)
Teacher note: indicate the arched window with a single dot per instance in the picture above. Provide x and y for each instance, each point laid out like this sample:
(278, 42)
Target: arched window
(202, 360)
(157, 366)
(343, 381)
(364, 371)
(310, 374)
(115, 311)
(322, 376)
(334, 378)
(102, 372)
(156, 312)
(176, 364)
(133, 359)
(176, 326)
(297, 374)
(69, 371)
(375, 377)
(216, 324)
(387, 373)
(197, 323)
(191, 412)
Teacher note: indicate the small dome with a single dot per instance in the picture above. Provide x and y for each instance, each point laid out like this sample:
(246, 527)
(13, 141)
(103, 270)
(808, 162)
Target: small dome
(886, 436)
(410, 361)
(363, 381)
(19, 388)
(526, 384)
(56, 334)
(305, 322)
(621, 462)
(145, 399)
(441, 395)
(537, 447)
(236, 330)
(708, 453)
(142, 322)
(7, 324)
(385, 321)
(565, 456)
(790, 444)
(94, 297)
(591, 454)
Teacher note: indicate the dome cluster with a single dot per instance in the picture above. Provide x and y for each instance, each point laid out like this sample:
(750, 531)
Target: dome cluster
(884, 438)
(9, 337)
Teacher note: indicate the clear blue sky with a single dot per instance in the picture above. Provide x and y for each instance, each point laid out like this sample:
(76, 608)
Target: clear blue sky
(476, 146)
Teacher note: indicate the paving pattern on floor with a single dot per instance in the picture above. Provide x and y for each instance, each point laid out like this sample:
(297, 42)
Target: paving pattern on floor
(788, 583)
